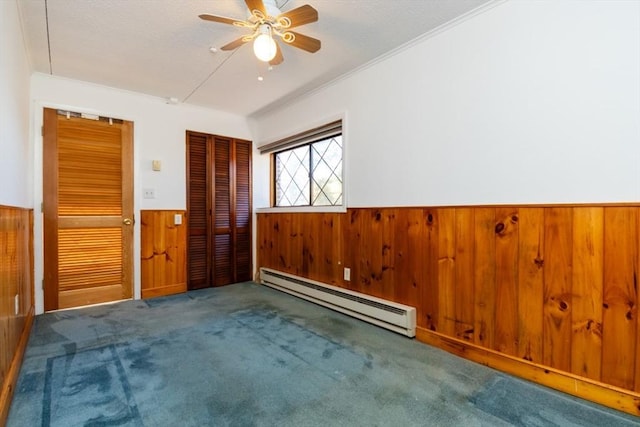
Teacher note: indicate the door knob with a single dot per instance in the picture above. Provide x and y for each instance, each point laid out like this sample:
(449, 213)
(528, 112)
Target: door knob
(127, 221)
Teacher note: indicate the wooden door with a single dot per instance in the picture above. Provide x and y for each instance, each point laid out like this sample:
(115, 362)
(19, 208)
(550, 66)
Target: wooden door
(198, 211)
(219, 210)
(232, 211)
(88, 210)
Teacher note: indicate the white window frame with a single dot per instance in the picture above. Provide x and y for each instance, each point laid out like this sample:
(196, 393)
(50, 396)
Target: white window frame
(289, 142)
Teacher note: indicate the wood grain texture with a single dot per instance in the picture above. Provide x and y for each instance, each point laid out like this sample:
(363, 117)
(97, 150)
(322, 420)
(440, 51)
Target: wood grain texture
(464, 273)
(387, 267)
(16, 279)
(506, 321)
(163, 253)
(199, 200)
(446, 271)
(485, 277)
(558, 257)
(408, 254)
(586, 314)
(371, 259)
(88, 210)
(530, 283)
(219, 208)
(430, 288)
(550, 285)
(619, 320)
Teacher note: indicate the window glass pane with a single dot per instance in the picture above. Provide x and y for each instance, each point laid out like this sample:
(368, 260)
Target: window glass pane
(310, 175)
(327, 172)
(292, 177)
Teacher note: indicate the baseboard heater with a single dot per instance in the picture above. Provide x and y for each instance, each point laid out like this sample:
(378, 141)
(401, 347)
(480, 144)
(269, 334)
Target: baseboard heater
(390, 315)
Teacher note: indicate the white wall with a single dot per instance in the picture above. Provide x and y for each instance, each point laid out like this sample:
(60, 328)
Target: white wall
(159, 133)
(527, 102)
(15, 157)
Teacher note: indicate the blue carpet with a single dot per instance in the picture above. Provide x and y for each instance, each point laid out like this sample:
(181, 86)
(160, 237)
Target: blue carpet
(524, 404)
(247, 355)
(88, 382)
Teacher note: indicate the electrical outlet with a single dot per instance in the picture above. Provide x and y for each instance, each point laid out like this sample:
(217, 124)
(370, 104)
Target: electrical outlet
(347, 274)
(177, 219)
(16, 303)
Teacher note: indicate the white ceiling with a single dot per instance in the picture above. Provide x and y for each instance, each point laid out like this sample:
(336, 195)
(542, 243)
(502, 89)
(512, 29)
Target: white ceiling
(161, 47)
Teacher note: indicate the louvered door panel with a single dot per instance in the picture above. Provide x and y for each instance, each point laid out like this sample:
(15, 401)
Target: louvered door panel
(197, 260)
(223, 259)
(222, 265)
(198, 246)
(243, 184)
(84, 249)
(89, 169)
(222, 214)
(242, 242)
(243, 256)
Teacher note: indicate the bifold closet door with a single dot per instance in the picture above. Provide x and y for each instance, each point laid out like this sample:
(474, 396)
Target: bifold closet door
(232, 211)
(219, 210)
(242, 213)
(198, 211)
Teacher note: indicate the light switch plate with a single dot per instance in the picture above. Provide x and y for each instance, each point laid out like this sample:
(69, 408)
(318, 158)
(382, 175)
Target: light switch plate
(177, 219)
(149, 193)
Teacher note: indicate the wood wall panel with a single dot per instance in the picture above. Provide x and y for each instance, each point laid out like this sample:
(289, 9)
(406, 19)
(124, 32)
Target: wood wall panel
(464, 273)
(163, 253)
(484, 277)
(558, 258)
(551, 285)
(445, 272)
(506, 305)
(586, 311)
(619, 321)
(530, 283)
(408, 256)
(429, 289)
(387, 252)
(16, 278)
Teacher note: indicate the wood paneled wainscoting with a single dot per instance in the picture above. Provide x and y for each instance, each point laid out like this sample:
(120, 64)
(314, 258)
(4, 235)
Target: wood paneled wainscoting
(16, 296)
(549, 293)
(163, 253)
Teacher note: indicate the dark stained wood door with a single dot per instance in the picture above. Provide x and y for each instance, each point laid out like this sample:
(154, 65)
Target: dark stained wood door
(198, 211)
(219, 210)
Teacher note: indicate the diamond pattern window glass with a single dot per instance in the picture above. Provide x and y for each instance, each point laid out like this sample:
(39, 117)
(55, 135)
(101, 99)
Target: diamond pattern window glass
(310, 174)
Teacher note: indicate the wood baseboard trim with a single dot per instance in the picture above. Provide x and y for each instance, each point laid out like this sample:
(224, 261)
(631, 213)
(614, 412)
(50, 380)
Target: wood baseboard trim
(9, 384)
(164, 290)
(594, 391)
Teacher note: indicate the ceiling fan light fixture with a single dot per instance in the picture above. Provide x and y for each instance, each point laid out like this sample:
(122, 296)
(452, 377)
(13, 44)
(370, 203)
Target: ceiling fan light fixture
(264, 46)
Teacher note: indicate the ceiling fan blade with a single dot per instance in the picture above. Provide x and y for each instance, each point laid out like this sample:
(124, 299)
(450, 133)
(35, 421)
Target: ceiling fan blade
(221, 19)
(256, 5)
(235, 44)
(301, 41)
(278, 58)
(299, 16)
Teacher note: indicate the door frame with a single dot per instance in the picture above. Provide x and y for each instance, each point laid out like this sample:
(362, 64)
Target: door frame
(37, 124)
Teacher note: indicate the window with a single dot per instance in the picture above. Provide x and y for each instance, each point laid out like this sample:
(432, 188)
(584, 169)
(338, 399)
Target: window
(310, 175)
(307, 168)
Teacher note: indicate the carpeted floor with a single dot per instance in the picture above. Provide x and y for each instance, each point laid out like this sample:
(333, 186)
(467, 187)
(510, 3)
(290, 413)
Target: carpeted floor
(247, 355)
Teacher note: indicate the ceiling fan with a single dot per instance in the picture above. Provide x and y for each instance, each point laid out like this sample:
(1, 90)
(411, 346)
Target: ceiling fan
(267, 21)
